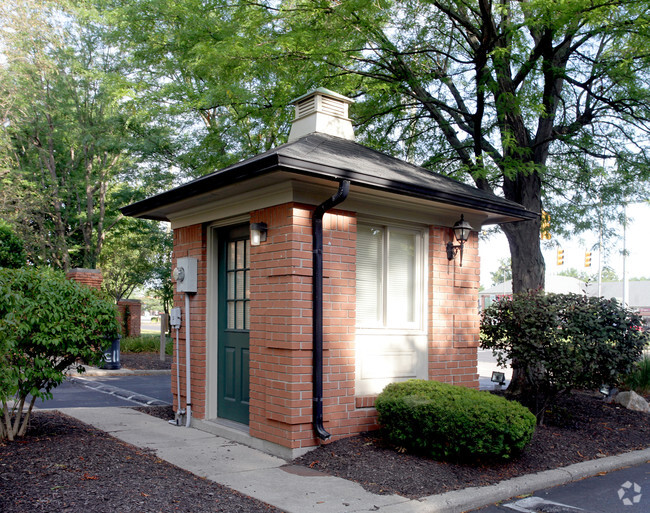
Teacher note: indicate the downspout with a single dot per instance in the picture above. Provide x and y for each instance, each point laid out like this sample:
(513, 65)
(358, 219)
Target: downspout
(317, 303)
(188, 366)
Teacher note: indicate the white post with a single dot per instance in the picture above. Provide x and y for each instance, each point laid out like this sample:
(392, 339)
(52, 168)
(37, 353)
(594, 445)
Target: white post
(163, 335)
(626, 289)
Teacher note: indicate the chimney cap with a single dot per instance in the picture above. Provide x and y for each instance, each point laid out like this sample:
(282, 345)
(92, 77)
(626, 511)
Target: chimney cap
(321, 111)
(323, 91)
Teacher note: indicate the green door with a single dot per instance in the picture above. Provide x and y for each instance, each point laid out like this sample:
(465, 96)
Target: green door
(234, 324)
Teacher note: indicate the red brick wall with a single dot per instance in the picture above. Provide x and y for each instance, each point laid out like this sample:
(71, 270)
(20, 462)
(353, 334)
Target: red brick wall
(191, 241)
(281, 329)
(281, 324)
(132, 309)
(91, 277)
(453, 310)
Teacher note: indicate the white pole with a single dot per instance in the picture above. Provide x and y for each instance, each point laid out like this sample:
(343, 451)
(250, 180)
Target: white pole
(163, 338)
(600, 251)
(626, 291)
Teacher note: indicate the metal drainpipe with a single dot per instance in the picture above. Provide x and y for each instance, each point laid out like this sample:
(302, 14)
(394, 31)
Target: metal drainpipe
(317, 303)
(188, 364)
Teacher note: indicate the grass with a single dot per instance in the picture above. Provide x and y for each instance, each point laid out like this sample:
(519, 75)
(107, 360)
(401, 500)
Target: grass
(145, 344)
(639, 379)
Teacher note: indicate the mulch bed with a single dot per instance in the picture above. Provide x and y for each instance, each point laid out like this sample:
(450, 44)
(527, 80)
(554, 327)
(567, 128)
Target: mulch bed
(145, 361)
(582, 427)
(65, 465)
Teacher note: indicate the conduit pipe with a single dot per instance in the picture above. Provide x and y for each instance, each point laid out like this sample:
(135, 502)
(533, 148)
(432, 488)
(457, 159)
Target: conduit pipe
(317, 304)
(188, 369)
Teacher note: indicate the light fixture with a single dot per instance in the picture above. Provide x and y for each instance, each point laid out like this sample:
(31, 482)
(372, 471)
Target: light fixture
(498, 377)
(258, 233)
(462, 230)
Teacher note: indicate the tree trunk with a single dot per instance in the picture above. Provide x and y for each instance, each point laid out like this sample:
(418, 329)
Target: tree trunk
(528, 267)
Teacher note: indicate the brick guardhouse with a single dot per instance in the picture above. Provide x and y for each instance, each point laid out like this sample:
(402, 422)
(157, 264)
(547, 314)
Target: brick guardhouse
(313, 275)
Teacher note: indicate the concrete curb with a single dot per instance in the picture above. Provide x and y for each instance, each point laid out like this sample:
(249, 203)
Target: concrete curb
(269, 479)
(477, 497)
(95, 371)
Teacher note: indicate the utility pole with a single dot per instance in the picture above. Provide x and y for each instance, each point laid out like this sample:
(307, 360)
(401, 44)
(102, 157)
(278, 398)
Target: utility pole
(626, 289)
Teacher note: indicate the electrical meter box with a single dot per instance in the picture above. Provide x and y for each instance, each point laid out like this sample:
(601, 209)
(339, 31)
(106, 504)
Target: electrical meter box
(185, 274)
(175, 317)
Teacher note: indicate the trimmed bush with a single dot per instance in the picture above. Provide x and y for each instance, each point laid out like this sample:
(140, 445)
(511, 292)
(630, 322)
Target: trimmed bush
(145, 344)
(639, 377)
(453, 423)
(558, 342)
(47, 324)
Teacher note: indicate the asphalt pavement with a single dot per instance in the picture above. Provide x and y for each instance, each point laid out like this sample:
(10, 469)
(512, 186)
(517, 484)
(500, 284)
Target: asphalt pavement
(608, 485)
(89, 391)
(620, 491)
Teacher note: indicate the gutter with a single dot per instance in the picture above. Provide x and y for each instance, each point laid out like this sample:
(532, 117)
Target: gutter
(317, 304)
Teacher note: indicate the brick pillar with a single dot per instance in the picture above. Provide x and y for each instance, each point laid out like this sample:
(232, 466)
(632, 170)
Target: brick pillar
(91, 277)
(129, 312)
(191, 241)
(454, 319)
(281, 326)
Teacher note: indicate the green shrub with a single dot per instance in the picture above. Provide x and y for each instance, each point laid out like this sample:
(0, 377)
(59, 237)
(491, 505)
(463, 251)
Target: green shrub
(453, 423)
(561, 341)
(145, 344)
(12, 252)
(47, 324)
(638, 379)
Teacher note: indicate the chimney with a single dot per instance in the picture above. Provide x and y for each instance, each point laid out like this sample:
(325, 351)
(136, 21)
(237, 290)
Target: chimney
(322, 111)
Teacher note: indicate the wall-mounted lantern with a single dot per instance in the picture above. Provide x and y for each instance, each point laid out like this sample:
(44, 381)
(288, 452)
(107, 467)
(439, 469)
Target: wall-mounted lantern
(462, 230)
(258, 233)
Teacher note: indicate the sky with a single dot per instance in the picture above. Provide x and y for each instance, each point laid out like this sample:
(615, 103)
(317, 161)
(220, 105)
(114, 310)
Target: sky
(637, 241)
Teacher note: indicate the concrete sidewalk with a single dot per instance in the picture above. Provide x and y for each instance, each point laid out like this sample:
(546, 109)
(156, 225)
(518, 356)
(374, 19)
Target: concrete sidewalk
(298, 489)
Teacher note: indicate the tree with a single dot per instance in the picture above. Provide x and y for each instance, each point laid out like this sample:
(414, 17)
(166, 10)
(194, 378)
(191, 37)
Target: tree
(545, 103)
(132, 254)
(160, 285)
(609, 274)
(47, 324)
(12, 253)
(572, 272)
(503, 272)
(69, 159)
(525, 99)
(566, 341)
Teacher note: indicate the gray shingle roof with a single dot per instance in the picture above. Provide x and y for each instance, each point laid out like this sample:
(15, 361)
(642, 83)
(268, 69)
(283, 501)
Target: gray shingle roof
(333, 158)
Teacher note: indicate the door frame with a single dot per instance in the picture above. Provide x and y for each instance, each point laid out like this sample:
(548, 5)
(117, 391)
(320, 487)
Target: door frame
(212, 311)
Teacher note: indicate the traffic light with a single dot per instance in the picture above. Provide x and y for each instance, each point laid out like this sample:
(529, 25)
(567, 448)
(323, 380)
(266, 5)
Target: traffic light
(560, 257)
(587, 258)
(545, 228)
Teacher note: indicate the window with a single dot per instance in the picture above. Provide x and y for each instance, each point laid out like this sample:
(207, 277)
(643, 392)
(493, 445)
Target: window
(238, 292)
(389, 277)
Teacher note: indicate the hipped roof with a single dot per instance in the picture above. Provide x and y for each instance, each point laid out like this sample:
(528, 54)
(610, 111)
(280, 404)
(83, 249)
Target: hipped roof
(332, 158)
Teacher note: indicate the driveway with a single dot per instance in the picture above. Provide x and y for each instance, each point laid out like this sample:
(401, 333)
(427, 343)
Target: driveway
(103, 391)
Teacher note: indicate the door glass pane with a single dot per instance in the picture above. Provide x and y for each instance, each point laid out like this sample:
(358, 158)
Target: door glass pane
(401, 277)
(231, 285)
(248, 253)
(241, 254)
(239, 315)
(247, 323)
(231, 256)
(369, 274)
(239, 289)
(231, 315)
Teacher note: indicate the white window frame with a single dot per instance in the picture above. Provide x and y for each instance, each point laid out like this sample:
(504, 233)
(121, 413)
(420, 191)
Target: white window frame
(418, 325)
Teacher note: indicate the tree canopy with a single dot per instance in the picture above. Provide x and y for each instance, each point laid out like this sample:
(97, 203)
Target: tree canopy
(545, 103)
(71, 151)
(542, 102)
